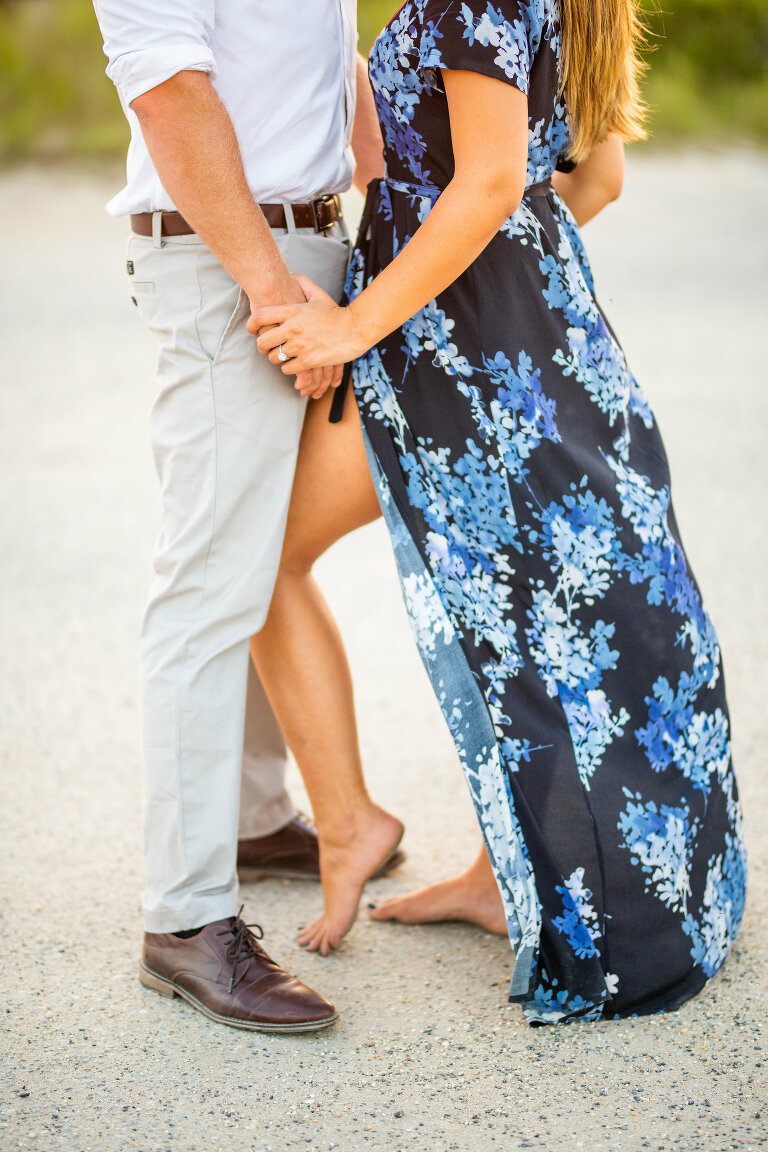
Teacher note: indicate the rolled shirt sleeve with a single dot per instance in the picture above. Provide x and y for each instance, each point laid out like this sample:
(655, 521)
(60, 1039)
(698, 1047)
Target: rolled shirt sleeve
(148, 41)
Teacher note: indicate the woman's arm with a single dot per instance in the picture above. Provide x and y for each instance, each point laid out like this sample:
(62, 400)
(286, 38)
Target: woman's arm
(595, 182)
(489, 130)
(367, 144)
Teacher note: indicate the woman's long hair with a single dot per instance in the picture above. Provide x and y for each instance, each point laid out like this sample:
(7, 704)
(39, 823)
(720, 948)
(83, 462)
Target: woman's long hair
(599, 70)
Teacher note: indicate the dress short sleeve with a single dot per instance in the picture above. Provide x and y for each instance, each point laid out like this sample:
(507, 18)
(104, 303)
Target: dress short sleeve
(496, 39)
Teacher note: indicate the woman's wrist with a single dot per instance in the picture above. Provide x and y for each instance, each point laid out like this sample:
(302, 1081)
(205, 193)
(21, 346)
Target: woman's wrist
(362, 331)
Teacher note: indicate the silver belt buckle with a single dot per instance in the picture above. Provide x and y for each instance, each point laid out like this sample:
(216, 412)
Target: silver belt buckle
(318, 214)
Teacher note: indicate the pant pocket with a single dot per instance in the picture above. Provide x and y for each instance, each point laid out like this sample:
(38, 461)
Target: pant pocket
(237, 319)
(141, 285)
(141, 289)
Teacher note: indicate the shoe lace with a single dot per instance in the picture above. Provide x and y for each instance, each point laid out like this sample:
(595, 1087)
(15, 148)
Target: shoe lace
(243, 946)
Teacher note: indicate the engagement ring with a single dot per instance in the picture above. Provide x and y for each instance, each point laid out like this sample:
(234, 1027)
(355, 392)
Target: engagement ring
(281, 355)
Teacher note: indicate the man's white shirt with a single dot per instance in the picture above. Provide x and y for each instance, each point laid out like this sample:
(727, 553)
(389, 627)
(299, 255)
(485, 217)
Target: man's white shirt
(285, 70)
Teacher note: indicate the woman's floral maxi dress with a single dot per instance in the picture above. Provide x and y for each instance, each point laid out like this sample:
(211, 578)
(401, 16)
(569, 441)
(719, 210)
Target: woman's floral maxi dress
(527, 492)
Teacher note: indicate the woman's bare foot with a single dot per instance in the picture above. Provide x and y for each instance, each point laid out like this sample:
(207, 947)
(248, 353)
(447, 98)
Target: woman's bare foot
(348, 859)
(472, 896)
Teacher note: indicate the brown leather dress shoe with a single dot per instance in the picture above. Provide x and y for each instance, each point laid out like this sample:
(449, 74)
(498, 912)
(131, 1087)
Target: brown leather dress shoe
(227, 975)
(292, 853)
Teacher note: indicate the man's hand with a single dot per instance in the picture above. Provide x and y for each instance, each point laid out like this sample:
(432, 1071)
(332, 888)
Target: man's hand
(317, 381)
(312, 382)
(310, 335)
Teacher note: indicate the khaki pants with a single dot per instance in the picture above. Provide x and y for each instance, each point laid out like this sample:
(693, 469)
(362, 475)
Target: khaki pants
(225, 431)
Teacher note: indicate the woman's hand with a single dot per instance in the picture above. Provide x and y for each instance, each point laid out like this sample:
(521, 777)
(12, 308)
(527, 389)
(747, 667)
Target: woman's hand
(311, 335)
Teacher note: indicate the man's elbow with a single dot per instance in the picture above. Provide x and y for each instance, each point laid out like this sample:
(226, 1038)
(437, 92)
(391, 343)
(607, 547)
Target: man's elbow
(181, 88)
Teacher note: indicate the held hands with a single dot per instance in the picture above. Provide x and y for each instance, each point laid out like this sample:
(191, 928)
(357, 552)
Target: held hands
(315, 383)
(315, 336)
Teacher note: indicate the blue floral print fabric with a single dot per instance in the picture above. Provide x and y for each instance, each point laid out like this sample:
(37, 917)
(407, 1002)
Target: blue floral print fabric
(527, 491)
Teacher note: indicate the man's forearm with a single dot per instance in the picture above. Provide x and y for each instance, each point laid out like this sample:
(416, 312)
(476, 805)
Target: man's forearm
(367, 144)
(193, 146)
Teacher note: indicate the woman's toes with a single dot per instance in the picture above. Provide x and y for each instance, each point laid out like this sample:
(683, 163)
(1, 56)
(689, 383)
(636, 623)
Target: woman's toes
(333, 940)
(320, 937)
(383, 911)
(346, 864)
(310, 938)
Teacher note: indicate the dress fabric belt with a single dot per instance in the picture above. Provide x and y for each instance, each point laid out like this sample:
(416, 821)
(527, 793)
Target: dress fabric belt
(431, 191)
(542, 188)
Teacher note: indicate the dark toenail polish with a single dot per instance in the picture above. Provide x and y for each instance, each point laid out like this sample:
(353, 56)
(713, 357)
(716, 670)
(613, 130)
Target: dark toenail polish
(371, 905)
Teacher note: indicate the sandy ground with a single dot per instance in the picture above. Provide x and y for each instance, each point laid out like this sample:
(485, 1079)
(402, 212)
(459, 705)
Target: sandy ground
(427, 1053)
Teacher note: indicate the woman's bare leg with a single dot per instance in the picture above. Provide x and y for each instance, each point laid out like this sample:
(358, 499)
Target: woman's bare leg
(300, 658)
(472, 896)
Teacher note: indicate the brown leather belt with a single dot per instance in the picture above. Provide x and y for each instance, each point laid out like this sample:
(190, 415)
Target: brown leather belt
(320, 215)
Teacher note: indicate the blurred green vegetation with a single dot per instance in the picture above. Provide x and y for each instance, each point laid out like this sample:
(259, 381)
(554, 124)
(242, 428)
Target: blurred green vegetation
(54, 97)
(707, 80)
(708, 69)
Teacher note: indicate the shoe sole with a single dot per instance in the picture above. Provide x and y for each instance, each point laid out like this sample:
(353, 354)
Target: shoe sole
(246, 875)
(167, 988)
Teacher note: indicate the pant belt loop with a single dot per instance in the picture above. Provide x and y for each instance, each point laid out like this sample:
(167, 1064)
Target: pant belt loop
(290, 223)
(157, 230)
